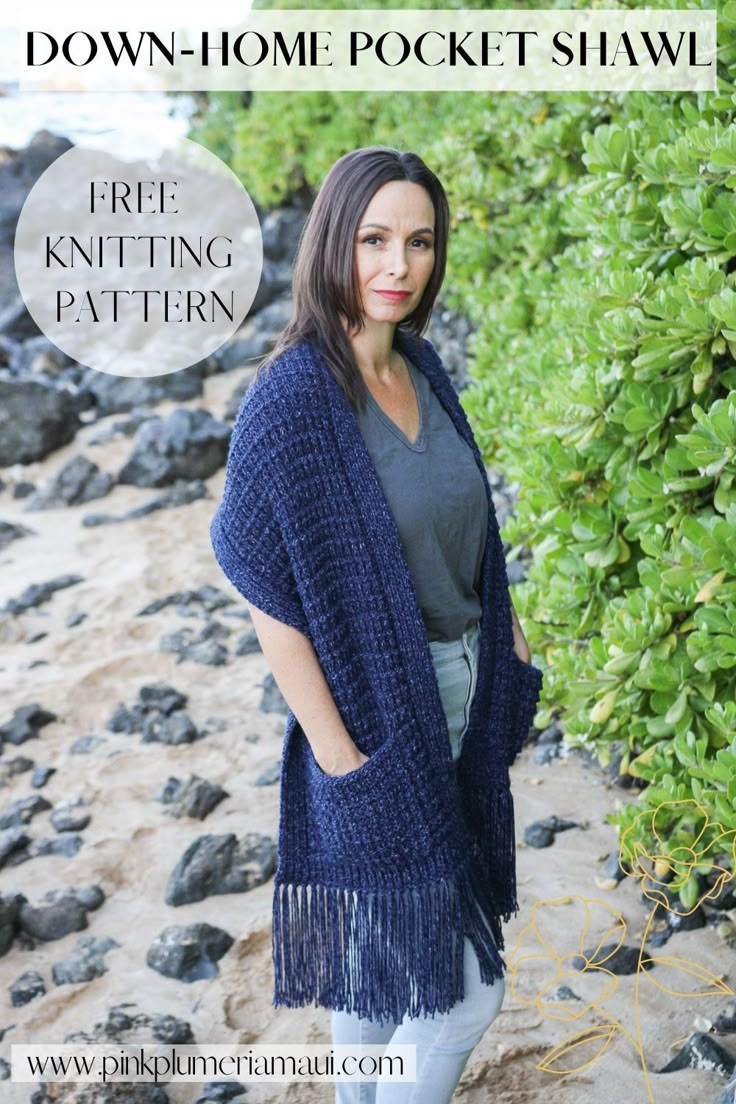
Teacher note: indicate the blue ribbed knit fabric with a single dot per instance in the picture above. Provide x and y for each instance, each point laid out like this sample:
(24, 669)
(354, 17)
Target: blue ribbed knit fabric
(381, 871)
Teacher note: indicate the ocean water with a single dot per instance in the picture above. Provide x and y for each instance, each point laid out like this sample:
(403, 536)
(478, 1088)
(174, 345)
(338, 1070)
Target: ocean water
(88, 117)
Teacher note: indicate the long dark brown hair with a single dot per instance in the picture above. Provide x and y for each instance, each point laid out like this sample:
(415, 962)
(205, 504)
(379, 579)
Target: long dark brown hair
(324, 284)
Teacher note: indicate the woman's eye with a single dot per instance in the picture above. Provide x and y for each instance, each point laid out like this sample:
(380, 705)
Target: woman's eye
(376, 237)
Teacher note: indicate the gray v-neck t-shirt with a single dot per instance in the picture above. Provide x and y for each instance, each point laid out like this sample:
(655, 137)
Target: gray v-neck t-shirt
(438, 500)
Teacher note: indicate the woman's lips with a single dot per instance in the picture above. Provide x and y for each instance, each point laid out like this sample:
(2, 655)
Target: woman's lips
(394, 296)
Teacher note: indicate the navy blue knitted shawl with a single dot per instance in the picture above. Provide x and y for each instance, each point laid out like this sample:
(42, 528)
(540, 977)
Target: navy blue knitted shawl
(381, 871)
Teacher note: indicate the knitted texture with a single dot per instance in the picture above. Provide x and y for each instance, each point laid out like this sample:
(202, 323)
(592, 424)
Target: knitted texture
(383, 870)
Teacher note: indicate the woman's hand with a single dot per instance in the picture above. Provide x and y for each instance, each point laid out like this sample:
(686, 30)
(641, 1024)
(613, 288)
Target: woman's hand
(343, 764)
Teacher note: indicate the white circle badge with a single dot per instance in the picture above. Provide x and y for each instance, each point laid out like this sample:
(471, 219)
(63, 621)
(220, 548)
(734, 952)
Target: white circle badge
(137, 260)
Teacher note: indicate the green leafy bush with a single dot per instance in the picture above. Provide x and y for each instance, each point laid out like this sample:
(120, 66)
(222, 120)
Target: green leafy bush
(594, 247)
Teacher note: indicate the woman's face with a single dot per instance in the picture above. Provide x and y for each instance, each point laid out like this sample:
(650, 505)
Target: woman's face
(394, 250)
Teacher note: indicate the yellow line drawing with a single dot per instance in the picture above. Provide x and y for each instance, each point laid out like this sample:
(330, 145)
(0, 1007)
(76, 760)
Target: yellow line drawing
(686, 843)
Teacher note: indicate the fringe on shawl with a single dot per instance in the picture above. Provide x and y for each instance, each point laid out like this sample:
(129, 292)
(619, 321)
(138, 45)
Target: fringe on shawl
(489, 813)
(382, 954)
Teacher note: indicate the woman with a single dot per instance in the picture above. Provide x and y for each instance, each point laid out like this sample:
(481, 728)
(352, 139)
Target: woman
(357, 521)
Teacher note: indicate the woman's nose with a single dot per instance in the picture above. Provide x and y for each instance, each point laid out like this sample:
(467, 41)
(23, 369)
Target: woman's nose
(397, 262)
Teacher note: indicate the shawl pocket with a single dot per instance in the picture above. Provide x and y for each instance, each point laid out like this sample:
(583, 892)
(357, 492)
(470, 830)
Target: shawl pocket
(525, 694)
(369, 814)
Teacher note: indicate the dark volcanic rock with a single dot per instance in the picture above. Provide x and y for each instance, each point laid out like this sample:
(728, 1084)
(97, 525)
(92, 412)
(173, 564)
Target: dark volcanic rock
(79, 480)
(86, 961)
(158, 698)
(60, 913)
(541, 833)
(195, 798)
(221, 864)
(181, 493)
(22, 810)
(189, 953)
(177, 728)
(26, 988)
(12, 840)
(38, 593)
(188, 444)
(114, 1092)
(10, 532)
(702, 1052)
(35, 419)
(115, 394)
(25, 723)
(10, 906)
(210, 598)
(620, 961)
(220, 1092)
(725, 1021)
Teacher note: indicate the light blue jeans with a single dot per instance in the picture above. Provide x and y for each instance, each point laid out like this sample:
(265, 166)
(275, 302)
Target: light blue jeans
(444, 1041)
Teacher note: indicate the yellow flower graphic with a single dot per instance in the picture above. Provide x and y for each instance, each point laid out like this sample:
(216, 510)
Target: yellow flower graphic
(589, 924)
(539, 963)
(679, 828)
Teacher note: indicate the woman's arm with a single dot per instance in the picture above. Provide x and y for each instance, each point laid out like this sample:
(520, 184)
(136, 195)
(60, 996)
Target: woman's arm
(300, 678)
(520, 645)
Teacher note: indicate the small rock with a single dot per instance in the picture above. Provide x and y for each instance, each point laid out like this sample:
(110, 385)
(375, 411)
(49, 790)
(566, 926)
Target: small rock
(177, 728)
(66, 818)
(691, 921)
(59, 914)
(550, 735)
(247, 644)
(195, 798)
(26, 988)
(9, 531)
(220, 1092)
(169, 1029)
(269, 775)
(725, 1021)
(541, 833)
(22, 810)
(273, 701)
(38, 593)
(563, 993)
(41, 776)
(85, 744)
(622, 960)
(186, 444)
(659, 938)
(612, 867)
(36, 417)
(221, 864)
(538, 835)
(12, 839)
(189, 953)
(209, 597)
(114, 1092)
(19, 765)
(701, 1052)
(543, 754)
(65, 843)
(86, 961)
(725, 899)
(25, 723)
(79, 480)
(10, 906)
